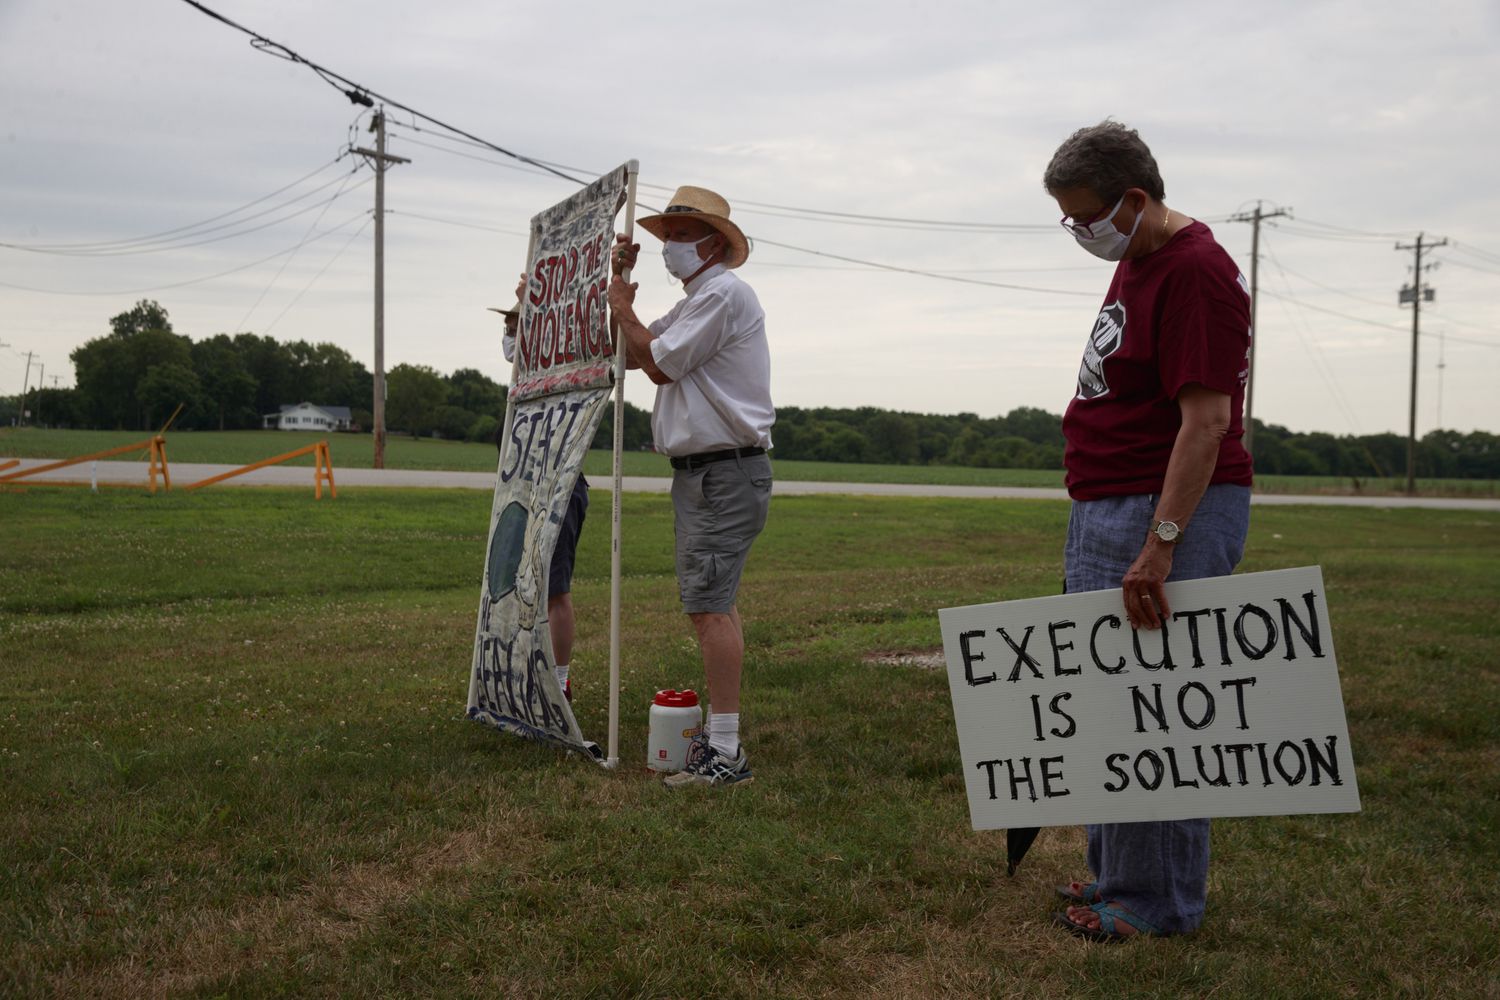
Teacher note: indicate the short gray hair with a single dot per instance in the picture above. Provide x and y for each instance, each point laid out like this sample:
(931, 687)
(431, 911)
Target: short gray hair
(1108, 159)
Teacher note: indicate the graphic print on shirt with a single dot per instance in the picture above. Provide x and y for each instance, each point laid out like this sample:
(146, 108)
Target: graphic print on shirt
(1244, 375)
(1107, 336)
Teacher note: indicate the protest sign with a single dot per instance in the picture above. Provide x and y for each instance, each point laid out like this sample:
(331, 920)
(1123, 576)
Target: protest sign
(1067, 715)
(561, 382)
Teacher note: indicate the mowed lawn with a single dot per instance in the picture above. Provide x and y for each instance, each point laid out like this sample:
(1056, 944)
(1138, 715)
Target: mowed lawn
(233, 762)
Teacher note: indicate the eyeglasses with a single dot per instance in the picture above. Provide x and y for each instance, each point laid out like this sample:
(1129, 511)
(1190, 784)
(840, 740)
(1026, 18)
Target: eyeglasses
(1085, 227)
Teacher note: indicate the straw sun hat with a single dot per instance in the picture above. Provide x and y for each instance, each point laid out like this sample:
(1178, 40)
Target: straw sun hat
(705, 206)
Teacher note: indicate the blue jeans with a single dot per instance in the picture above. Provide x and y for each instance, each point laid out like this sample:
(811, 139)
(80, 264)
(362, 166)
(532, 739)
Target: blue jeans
(1158, 871)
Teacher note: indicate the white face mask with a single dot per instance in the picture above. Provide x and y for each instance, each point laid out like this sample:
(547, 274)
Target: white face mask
(682, 259)
(1102, 239)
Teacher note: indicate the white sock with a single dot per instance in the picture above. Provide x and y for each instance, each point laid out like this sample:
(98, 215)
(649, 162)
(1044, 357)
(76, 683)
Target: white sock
(561, 670)
(724, 733)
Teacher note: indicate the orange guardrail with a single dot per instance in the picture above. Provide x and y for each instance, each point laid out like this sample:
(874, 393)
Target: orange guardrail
(157, 446)
(10, 463)
(322, 469)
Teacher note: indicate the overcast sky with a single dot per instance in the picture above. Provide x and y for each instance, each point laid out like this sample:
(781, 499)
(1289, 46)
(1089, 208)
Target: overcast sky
(1370, 121)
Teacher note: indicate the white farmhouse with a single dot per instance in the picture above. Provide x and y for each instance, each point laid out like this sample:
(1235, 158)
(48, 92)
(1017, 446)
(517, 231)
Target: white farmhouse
(308, 417)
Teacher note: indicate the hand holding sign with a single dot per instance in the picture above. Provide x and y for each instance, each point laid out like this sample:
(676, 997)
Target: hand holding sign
(624, 257)
(1146, 602)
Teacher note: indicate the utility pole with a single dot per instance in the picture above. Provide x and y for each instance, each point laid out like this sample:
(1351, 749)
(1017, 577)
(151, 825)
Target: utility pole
(40, 378)
(25, 384)
(380, 158)
(18, 411)
(1416, 292)
(1254, 218)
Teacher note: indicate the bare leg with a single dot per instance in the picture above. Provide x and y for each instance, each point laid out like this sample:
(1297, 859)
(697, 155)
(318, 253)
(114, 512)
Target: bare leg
(722, 643)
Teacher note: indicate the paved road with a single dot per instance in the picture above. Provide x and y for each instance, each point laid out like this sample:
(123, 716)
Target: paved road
(281, 475)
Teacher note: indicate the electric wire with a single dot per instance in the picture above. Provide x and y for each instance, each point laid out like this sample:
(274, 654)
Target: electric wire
(1312, 347)
(926, 274)
(81, 249)
(1330, 288)
(851, 260)
(191, 240)
(314, 279)
(1293, 229)
(1362, 233)
(361, 94)
(286, 261)
(789, 211)
(193, 281)
(1469, 267)
(455, 222)
(1376, 323)
(1486, 255)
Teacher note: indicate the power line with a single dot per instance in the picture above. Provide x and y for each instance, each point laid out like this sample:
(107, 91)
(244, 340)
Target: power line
(787, 211)
(1296, 230)
(1335, 312)
(191, 240)
(312, 226)
(154, 237)
(1474, 251)
(916, 271)
(1362, 233)
(1311, 345)
(1469, 267)
(363, 95)
(193, 281)
(455, 222)
(314, 279)
(360, 94)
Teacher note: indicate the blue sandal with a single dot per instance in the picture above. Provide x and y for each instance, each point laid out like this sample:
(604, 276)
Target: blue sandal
(1108, 914)
(1088, 897)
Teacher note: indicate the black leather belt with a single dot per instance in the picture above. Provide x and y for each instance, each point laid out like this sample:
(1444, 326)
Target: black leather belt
(705, 457)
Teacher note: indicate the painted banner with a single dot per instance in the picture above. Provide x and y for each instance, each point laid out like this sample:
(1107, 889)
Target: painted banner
(560, 385)
(1067, 715)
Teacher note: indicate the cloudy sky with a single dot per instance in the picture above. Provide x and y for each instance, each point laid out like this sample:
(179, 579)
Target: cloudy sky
(1370, 121)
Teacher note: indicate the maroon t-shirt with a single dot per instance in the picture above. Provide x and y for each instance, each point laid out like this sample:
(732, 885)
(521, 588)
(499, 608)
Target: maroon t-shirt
(1177, 316)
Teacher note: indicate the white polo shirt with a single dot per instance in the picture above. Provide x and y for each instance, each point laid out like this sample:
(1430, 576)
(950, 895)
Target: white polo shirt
(712, 345)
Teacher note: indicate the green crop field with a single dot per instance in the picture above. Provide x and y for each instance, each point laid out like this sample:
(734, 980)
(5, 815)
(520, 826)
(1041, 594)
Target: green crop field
(356, 450)
(233, 762)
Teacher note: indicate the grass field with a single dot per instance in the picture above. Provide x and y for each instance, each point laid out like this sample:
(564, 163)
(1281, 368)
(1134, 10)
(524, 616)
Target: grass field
(234, 763)
(355, 450)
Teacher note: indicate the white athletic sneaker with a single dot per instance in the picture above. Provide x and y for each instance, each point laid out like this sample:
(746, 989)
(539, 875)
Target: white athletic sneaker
(711, 768)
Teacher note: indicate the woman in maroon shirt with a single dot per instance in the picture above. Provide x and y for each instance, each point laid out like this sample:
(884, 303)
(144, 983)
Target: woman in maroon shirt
(1159, 477)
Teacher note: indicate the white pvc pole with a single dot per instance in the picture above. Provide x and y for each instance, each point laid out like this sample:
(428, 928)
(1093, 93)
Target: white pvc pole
(632, 169)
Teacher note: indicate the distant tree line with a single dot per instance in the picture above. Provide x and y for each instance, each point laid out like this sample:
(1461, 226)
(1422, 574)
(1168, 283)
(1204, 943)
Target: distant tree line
(1029, 438)
(135, 377)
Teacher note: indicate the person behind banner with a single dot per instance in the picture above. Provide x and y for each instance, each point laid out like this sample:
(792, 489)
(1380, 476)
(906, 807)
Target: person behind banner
(711, 364)
(560, 622)
(1158, 476)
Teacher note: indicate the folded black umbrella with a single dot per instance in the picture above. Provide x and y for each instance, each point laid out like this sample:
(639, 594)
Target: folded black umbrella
(1017, 843)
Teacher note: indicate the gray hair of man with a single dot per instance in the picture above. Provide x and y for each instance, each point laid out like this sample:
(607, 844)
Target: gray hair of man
(1108, 159)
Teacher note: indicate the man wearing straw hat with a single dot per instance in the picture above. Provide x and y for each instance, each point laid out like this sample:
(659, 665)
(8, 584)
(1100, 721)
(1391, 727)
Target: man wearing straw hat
(712, 368)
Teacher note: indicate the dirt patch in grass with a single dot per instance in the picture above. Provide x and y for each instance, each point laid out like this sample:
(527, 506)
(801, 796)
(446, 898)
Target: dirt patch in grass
(190, 950)
(925, 659)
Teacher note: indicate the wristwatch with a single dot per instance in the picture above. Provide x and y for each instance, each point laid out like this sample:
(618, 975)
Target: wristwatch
(1167, 531)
